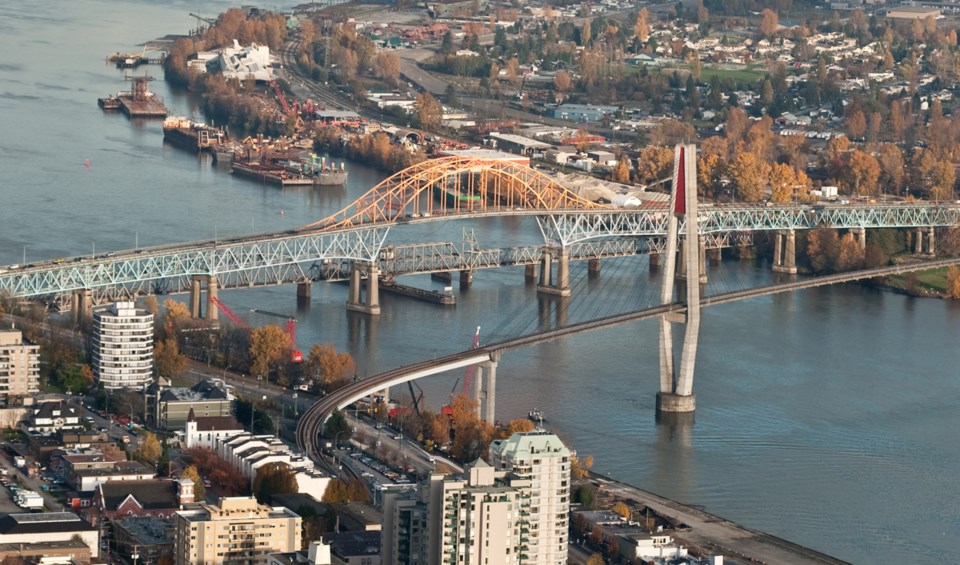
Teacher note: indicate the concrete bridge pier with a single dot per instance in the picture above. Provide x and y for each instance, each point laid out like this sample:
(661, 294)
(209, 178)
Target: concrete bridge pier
(530, 274)
(593, 267)
(357, 300)
(304, 289)
(466, 278)
(491, 389)
(785, 252)
(212, 310)
(931, 242)
(195, 292)
(82, 304)
(655, 262)
(561, 285)
(860, 235)
(681, 273)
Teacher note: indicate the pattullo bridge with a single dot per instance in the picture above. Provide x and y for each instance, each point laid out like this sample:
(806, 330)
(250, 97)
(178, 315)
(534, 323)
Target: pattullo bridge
(353, 244)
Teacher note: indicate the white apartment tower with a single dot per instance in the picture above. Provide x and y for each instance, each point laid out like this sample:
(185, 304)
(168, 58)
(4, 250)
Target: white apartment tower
(123, 346)
(541, 458)
(19, 365)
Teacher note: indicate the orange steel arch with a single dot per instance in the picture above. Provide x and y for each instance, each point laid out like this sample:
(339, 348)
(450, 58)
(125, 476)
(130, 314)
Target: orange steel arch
(452, 186)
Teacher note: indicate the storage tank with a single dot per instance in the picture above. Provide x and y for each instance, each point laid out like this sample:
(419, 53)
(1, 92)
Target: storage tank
(625, 201)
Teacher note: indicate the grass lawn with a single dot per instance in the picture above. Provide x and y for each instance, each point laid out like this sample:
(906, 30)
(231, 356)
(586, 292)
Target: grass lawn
(743, 75)
(934, 279)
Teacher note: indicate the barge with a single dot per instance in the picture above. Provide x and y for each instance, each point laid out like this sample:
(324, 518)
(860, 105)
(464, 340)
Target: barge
(191, 135)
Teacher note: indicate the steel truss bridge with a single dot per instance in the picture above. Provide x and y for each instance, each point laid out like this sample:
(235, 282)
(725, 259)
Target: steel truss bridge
(437, 190)
(310, 425)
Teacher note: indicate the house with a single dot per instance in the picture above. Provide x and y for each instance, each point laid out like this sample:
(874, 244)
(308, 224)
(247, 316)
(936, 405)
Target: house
(52, 416)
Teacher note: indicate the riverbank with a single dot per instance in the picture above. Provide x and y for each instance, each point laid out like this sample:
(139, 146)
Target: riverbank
(710, 534)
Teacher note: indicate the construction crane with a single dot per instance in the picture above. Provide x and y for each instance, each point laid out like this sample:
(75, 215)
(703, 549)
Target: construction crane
(201, 20)
(287, 108)
(290, 328)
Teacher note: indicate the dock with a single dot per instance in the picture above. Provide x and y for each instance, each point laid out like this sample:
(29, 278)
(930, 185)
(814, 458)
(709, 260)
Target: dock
(434, 296)
(140, 102)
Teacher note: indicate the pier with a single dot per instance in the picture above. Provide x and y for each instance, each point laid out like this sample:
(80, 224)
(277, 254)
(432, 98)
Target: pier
(140, 102)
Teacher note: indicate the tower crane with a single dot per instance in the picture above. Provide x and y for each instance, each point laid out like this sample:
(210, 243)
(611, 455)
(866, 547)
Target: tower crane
(290, 328)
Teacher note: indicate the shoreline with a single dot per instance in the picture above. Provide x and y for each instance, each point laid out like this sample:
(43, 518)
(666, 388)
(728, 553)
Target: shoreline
(711, 532)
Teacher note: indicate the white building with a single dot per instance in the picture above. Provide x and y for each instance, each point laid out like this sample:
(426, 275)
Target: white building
(123, 346)
(244, 63)
(19, 365)
(26, 529)
(543, 459)
(248, 453)
(205, 431)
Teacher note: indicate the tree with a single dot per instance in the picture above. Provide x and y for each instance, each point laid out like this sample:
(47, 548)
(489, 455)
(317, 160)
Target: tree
(269, 346)
(357, 491)
(428, 111)
(586, 33)
(199, 491)
(595, 559)
(336, 492)
(515, 426)
(562, 81)
(337, 427)
(621, 173)
(330, 367)
(823, 246)
(150, 448)
(748, 174)
(641, 29)
(863, 171)
(585, 495)
(580, 468)
(622, 509)
(953, 282)
(655, 163)
(787, 182)
(891, 167)
(856, 124)
(167, 358)
(274, 478)
(387, 65)
(850, 255)
(769, 22)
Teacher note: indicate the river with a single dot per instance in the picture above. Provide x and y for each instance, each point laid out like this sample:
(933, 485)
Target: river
(827, 416)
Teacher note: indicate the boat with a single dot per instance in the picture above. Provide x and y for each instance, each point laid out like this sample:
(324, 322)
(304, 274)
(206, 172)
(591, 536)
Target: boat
(194, 136)
(536, 415)
(109, 103)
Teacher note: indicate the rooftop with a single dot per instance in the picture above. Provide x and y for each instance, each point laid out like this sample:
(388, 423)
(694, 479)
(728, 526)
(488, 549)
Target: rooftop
(149, 494)
(147, 530)
(47, 522)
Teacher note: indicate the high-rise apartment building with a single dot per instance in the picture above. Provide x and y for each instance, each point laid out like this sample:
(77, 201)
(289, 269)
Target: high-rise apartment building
(512, 512)
(123, 346)
(541, 458)
(19, 365)
(237, 531)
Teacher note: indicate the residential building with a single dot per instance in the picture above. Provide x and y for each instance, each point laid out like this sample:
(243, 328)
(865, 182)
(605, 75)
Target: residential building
(404, 528)
(48, 527)
(52, 416)
(123, 346)
(86, 469)
(355, 548)
(480, 518)
(237, 530)
(541, 458)
(19, 365)
(204, 399)
(152, 497)
(149, 537)
(248, 453)
(205, 431)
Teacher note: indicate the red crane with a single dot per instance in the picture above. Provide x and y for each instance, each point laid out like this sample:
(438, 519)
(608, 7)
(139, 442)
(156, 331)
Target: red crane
(290, 328)
(281, 97)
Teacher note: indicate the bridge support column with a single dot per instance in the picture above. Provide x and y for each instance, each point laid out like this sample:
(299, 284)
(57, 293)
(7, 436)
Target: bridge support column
(195, 297)
(714, 256)
(476, 392)
(656, 262)
(82, 305)
(561, 286)
(304, 289)
(918, 241)
(212, 311)
(860, 234)
(676, 387)
(931, 242)
(593, 266)
(491, 404)
(530, 273)
(785, 252)
(75, 306)
(702, 258)
(355, 300)
(466, 278)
